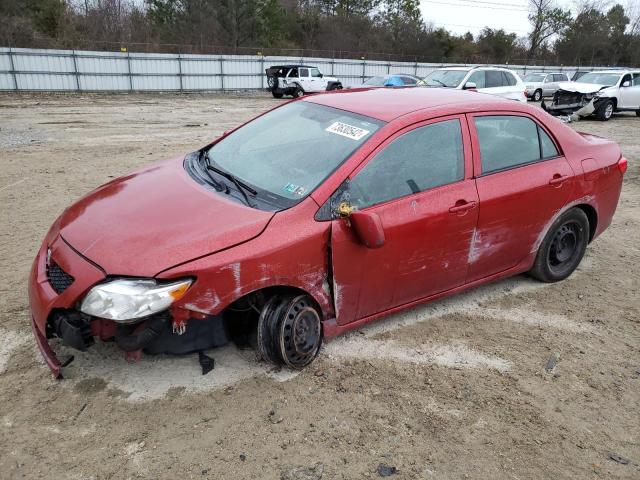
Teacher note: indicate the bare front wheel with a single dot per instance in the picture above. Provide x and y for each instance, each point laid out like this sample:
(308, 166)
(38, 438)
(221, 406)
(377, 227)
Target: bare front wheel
(289, 330)
(537, 95)
(563, 247)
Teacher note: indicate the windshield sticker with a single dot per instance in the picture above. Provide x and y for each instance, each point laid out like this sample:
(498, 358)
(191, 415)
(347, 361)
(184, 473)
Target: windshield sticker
(294, 189)
(346, 130)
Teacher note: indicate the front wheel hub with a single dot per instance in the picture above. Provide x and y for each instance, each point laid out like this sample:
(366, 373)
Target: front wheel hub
(300, 333)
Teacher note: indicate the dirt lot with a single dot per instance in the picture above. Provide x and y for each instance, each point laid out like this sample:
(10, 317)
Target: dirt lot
(455, 389)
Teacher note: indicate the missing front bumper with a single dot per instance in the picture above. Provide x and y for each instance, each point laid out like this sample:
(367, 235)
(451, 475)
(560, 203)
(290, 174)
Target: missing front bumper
(152, 336)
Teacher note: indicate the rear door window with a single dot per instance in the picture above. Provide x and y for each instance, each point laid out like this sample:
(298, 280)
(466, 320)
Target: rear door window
(508, 141)
(494, 79)
(304, 72)
(508, 79)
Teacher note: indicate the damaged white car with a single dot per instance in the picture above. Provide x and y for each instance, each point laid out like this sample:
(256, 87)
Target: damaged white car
(597, 93)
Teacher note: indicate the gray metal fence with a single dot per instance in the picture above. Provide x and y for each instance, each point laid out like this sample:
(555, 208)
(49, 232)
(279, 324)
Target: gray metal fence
(25, 69)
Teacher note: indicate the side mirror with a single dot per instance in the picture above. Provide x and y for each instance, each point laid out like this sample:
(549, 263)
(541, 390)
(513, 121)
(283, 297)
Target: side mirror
(368, 228)
(470, 86)
(626, 84)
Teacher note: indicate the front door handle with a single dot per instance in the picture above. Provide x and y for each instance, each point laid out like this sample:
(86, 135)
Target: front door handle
(558, 179)
(462, 207)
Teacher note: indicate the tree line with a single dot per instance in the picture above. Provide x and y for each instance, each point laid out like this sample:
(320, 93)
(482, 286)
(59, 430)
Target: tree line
(594, 32)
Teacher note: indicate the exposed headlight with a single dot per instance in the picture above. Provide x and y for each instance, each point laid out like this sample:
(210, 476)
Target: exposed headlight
(127, 300)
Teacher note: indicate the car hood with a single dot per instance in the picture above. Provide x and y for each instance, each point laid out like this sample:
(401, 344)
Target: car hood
(579, 87)
(154, 219)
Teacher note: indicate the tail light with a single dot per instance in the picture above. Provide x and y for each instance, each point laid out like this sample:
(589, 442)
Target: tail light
(623, 163)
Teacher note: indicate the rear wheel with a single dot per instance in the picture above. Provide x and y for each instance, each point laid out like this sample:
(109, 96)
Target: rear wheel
(289, 330)
(537, 95)
(298, 92)
(563, 247)
(605, 111)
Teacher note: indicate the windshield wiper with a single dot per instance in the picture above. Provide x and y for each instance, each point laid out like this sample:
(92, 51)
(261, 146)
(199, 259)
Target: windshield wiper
(436, 80)
(240, 185)
(219, 186)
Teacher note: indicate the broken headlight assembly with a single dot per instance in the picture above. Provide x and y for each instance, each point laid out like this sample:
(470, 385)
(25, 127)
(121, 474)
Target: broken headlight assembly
(127, 300)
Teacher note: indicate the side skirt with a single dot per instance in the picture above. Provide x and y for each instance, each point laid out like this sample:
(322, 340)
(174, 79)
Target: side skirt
(331, 329)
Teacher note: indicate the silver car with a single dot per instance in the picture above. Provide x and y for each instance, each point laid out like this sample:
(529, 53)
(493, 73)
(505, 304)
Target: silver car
(542, 84)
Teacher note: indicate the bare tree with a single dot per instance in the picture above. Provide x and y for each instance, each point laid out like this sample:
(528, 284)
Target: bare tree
(547, 20)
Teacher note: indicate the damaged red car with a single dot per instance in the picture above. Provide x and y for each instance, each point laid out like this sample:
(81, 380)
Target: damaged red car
(318, 216)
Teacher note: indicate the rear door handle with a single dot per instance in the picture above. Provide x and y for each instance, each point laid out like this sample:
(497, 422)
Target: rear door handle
(558, 179)
(458, 208)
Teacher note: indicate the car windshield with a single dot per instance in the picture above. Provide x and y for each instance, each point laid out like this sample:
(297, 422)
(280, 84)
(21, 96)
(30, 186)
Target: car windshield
(286, 153)
(445, 78)
(600, 78)
(376, 81)
(534, 77)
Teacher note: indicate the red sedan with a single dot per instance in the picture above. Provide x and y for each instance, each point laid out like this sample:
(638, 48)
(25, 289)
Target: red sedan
(319, 216)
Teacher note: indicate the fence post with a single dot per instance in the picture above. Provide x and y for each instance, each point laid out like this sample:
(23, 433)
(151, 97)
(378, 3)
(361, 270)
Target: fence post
(389, 67)
(13, 70)
(415, 68)
(129, 71)
(364, 64)
(221, 73)
(180, 71)
(75, 70)
(333, 62)
(262, 75)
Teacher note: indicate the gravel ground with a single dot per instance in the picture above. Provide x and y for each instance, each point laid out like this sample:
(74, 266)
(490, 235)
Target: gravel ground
(451, 390)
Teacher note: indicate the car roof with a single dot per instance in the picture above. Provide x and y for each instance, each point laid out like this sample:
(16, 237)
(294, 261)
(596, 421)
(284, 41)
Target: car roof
(387, 104)
(546, 73)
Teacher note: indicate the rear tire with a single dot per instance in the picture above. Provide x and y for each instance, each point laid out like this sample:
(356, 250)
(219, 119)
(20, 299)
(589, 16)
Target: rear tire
(537, 95)
(605, 112)
(298, 92)
(289, 331)
(562, 248)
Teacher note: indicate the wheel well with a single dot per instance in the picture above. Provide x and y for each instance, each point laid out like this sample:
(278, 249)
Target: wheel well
(592, 216)
(241, 317)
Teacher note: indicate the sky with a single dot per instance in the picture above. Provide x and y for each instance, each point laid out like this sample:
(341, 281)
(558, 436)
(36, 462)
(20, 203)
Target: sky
(461, 16)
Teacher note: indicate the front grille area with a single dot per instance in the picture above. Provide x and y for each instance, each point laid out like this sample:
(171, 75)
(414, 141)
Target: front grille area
(58, 278)
(568, 98)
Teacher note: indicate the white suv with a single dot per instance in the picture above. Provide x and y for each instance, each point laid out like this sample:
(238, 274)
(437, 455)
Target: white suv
(599, 93)
(542, 84)
(493, 80)
(296, 80)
